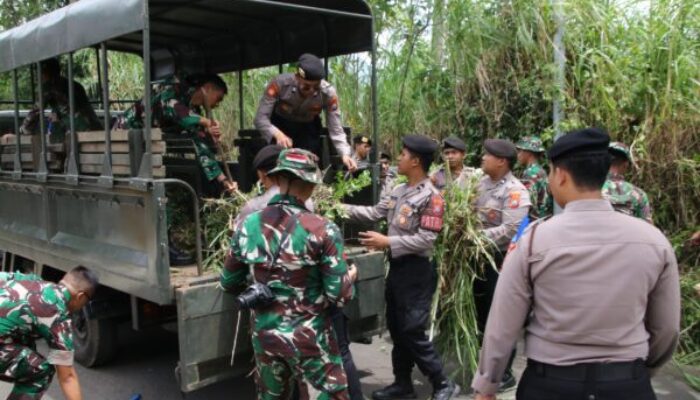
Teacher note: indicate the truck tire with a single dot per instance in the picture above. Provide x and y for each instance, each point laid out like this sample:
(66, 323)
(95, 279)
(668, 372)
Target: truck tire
(95, 339)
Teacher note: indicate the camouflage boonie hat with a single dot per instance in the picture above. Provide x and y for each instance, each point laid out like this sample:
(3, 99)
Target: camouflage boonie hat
(621, 148)
(530, 143)
(301, 163)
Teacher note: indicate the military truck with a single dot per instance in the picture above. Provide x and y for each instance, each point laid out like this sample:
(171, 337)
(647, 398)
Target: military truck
(99, 198)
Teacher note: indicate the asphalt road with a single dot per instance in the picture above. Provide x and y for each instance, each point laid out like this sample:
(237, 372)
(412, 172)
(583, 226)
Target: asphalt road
(145, 365)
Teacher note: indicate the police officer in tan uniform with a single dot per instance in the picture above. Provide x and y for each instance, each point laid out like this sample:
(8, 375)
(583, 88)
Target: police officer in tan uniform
(414, 211)
(453, 152)
(597, 292)
(502, 203)
(290, 109)
(361, 146)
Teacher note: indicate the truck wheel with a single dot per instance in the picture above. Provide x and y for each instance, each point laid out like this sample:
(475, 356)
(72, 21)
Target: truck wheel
(95, 339)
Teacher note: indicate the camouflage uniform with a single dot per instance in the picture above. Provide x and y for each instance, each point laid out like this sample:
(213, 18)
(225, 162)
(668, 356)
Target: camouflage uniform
(173, 113)
(282, 107)
(535, 180)
(626, 197)
(56, 98)
(293, 338)
(31, 309)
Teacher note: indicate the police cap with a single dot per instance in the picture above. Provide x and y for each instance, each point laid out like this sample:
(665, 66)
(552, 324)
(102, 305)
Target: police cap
(385, 155)
(454, 142)
(420, 144)
(362, 139)
(592, 141)
(500, 148)
(266, 159)
(311, 67)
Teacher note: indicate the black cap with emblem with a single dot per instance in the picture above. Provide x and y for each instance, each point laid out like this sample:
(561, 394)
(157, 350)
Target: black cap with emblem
(361, 139)
(501, 148)
(591, 141)
(266, 159)
(311, 67)
(454, 142)
(420, 144)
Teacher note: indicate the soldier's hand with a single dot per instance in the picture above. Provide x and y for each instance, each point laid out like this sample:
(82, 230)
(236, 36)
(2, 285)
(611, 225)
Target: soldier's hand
(283, 140)
(215, 131)
(230, 186)
(350, 163)
(352, 272)
(374, 240)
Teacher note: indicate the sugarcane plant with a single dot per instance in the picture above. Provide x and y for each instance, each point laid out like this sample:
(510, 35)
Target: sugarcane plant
(462, 252)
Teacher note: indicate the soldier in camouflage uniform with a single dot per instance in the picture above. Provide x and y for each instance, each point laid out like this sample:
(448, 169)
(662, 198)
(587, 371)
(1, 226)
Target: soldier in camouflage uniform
(414, 213)
(32, 309)
(292, 337)
(55, 90)
(290, 110)
(176, 106)
(534, 176)
(624, 196)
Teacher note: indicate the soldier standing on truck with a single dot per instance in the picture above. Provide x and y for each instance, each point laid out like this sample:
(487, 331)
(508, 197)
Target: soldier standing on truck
(414, 213)
(297, 261)
(290, 109)
(55, 90)
(31, 309)
(176, 106)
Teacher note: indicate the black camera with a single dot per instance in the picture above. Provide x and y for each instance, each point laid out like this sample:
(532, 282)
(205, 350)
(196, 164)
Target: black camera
(257, 295)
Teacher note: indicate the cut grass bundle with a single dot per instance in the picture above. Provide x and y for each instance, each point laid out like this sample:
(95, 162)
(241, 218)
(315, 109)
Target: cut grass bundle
(461, 253)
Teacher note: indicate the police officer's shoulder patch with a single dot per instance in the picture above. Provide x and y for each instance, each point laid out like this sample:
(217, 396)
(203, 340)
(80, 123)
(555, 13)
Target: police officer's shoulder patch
(514, 199)
(272, 89)
(432, 216)
(333, 104)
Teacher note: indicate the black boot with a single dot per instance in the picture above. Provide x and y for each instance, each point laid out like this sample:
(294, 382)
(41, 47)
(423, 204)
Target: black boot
(178, 257)
(400, 389)
(445, 390)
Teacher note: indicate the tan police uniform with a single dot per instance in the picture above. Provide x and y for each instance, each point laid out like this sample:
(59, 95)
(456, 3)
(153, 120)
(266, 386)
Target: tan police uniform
(597, 287)
(283, 108)
(502, 205)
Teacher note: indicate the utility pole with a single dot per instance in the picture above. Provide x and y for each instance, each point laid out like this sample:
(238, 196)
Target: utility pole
(560, 65)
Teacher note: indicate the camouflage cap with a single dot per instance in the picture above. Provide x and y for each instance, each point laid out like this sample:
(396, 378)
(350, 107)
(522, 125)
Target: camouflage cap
(530, 143)
(301, 163)
(621, 148)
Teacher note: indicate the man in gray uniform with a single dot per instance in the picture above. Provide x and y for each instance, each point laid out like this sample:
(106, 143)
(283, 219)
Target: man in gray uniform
(453, 151)
(290, 109)
(502, 204)
(361, 146)
(414, 212)
(597, 292)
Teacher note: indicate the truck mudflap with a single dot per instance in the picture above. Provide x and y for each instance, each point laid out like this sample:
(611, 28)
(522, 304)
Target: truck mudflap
(207, 323)
(206, 318)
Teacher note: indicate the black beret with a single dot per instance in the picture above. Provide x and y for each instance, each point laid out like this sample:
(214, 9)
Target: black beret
(385, 155)
(311, 67)
(500, 148)
(266, 159)
(420, 144)
(587, 140)
(362, 139)
(455, 143)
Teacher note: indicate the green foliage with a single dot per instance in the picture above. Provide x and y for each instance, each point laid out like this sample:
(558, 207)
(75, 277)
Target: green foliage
(328, 199)
(461, 252)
